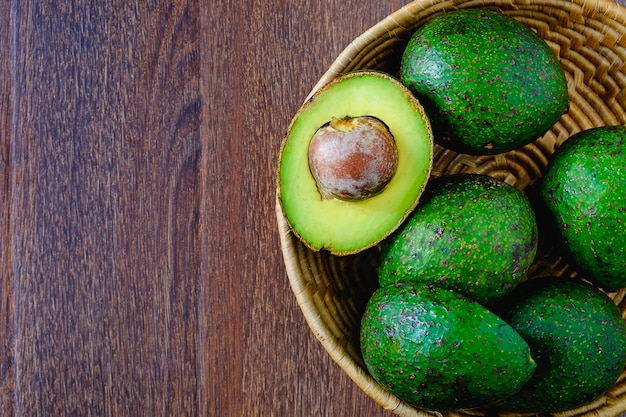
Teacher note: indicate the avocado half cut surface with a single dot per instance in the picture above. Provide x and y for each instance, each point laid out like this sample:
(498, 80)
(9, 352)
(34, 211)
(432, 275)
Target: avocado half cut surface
(342, 226)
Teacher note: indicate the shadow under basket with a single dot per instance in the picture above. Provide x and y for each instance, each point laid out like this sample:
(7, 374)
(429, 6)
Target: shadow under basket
(589, 37)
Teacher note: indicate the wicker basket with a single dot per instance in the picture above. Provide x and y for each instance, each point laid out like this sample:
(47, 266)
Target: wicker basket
(589, 37)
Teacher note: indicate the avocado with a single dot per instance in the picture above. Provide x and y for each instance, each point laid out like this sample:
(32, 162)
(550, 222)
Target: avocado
(583, 189)
(576, 336)
(354, 162)
(437, 350)
(488, 82)
(471, 233)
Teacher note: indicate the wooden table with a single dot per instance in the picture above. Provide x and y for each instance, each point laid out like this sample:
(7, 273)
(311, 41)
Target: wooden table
(140, 266)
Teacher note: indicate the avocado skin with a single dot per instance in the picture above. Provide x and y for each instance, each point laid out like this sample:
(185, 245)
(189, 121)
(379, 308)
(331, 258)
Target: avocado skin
(583, 189)
(488, 82)
(470, 233)
(437, 350)
(577, 337)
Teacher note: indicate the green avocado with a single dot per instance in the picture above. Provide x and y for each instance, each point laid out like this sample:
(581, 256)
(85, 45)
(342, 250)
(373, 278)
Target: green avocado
(470, 233)
(584, 190)
(577, 337)
(340, 225)
(489, 83)
(437, 350)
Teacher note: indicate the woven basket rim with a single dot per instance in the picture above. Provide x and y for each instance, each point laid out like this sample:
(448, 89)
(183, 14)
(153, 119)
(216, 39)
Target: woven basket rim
(322, 333)
(402, 18)
(609, 8)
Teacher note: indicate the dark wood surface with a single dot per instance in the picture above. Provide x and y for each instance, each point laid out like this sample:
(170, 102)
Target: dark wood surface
(140, 269)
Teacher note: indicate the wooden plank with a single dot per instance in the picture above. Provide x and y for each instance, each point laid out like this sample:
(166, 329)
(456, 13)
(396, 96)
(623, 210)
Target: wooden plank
(6, 281)
(106, 147)
(262, 61)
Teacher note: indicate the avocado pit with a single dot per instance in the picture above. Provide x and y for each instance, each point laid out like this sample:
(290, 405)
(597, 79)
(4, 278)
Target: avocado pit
(353, 158)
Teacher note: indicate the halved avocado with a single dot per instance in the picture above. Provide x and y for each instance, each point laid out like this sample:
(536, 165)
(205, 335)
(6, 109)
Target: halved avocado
(348, 226)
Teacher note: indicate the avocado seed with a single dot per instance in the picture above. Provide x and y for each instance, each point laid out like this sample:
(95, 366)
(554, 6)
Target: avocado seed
(353, 158)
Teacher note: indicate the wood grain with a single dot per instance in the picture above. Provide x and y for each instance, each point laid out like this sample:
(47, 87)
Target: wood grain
(6, 279)
(264, 361)
(285, 47)
(105, 151)
(140, 269)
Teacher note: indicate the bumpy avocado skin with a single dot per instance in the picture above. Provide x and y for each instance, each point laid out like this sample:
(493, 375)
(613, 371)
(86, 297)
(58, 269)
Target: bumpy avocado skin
(438, 350)
(488, 82)
(584, 189)
(470, 233)
(577, 337)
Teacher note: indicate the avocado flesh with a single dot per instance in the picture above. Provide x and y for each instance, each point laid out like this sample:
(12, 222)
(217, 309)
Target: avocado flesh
(583, 188)
(577, 337)
(488, 82)
(344, 227)
(470, 233)
(438, 350)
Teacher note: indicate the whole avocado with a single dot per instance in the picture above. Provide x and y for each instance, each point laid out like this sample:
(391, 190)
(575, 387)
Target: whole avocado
(489, 83)
(577, 337)
(583, 188)
(438, 350)
(471, 233)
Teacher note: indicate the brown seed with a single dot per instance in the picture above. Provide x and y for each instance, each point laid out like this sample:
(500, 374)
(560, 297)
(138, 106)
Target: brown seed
(353, 158)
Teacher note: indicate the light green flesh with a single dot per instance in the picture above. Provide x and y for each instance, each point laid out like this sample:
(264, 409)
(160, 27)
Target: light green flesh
(347, 227)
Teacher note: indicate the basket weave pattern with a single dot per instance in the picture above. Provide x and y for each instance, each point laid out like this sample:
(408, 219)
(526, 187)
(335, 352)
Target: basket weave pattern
(589, 37)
